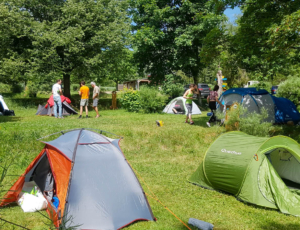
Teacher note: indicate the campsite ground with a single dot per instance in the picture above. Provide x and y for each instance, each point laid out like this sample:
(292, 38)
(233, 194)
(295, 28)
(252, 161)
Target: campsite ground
(164, 157)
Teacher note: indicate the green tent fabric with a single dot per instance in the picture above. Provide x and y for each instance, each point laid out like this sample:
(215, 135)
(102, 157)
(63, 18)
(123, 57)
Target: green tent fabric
(257, 170)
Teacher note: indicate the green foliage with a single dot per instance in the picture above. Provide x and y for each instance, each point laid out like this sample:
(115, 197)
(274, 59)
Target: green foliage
(5, 88)
(290, 89)
(17, 88)
(75, 87)
(130, 100)
(172, 86)
(147, 100)
(41, 40)
(169, 35)
(152, 100)
(251, 123)
(31, 89)
(263, 85)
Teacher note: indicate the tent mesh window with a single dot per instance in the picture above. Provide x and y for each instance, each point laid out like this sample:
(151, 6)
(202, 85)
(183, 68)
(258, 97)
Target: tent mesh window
(286, 165)
(42, 175)
(179, 107)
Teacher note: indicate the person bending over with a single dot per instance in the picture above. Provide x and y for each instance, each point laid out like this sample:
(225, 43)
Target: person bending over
(212, 99)
(188, 95)
(84, 92)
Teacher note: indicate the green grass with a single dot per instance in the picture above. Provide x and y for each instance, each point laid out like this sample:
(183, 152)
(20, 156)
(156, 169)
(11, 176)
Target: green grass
(164, 156)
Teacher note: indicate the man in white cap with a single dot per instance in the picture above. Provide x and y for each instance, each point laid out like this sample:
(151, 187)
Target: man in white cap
(96, 93)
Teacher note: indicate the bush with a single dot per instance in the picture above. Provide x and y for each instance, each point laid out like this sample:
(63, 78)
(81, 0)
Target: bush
(75, 87)
(45, 88)
(251, 123)
(130, 100)
(147, 100)
(16, 88)
(152, 100)
(172, 87)
(290, 89)
(5, 88)
(31, 89)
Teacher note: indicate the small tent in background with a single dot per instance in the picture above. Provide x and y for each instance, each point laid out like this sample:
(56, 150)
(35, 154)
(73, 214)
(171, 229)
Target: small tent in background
(96, 186)
(285, 111)
(258, 170)
(48, 108)
(4, 110)
(252, 99)
(177, 106)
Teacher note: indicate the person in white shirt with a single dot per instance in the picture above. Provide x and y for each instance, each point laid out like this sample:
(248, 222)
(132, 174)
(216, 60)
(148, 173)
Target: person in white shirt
(96, 93)
(56, 91)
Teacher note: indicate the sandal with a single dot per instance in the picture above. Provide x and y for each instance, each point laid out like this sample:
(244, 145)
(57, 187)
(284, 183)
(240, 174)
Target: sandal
(191, 123)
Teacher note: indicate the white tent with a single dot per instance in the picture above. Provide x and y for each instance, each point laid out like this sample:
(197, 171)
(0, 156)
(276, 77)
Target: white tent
(4, 109)
(179, 102)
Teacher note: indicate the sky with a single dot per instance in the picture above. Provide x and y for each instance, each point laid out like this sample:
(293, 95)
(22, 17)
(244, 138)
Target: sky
(231, 13)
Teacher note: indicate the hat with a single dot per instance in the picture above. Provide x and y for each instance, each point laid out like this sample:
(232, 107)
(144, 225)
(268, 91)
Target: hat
(93, 83)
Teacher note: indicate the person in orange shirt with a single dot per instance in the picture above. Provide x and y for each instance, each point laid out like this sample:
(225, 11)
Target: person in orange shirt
(84, 92)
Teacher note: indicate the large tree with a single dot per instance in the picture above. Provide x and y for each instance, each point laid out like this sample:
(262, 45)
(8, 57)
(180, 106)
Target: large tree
(75, 38)
(169, 34)
(252, 40)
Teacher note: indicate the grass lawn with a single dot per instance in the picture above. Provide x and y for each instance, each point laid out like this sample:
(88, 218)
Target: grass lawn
(164, 156)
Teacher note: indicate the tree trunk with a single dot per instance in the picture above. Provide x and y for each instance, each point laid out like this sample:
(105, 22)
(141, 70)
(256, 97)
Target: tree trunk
(67, 87)
(220, 82)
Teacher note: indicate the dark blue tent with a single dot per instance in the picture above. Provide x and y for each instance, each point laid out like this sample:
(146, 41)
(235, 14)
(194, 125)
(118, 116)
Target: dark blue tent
(285, 110)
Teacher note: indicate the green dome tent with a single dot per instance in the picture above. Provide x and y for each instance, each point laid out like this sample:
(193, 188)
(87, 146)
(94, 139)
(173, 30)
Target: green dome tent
(257, 170)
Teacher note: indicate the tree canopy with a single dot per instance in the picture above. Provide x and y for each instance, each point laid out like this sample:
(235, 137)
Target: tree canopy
(60, 39)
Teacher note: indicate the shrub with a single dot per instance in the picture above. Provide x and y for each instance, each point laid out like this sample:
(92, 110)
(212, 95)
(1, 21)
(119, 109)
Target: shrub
(31, 89)
(16, 88)
(75, 87)
(130, 100)
(290, 90)
(45, 88)
(251, 123)
(172, 87)
(4, 88)
(152, 100)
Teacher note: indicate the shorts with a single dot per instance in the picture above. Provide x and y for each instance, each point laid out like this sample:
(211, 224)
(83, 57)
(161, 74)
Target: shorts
(84, 102)
(212, 105)
(95, 102)
(189, 108)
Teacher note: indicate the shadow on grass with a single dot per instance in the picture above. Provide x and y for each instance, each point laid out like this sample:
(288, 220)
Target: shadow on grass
(10, 119)
(276, 225)
(201, 121)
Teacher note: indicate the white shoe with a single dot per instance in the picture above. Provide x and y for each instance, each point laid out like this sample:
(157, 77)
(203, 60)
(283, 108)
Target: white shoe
(208, 124)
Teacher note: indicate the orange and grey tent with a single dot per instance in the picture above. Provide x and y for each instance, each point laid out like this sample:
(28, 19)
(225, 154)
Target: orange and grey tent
(95, 184)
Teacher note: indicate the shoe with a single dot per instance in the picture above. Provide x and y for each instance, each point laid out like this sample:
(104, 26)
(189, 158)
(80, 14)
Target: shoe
(86, 116)
(191, 123)
(186, 122)
(61, 117)
(79, 117)
(208, 124)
